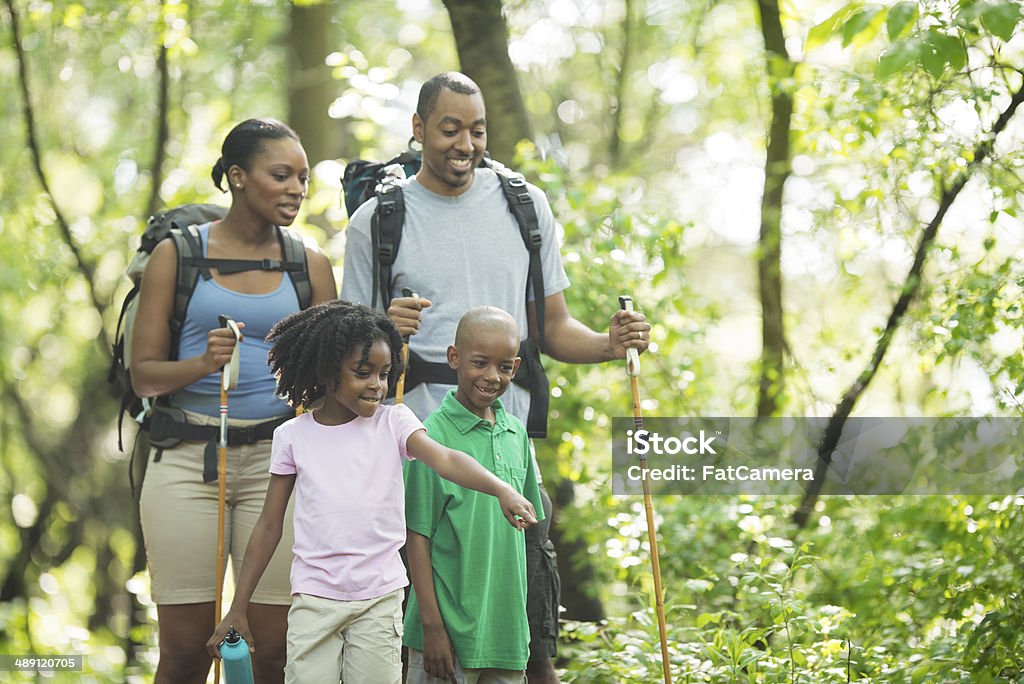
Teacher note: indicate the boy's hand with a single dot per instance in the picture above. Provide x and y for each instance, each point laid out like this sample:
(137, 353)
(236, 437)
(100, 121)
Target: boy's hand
(404, 312)
(232, 619)
(517, 509)
(438, 653)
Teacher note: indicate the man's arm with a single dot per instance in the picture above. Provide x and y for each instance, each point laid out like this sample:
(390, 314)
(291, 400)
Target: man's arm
(357, 275)
(438, 652)
(570, 341)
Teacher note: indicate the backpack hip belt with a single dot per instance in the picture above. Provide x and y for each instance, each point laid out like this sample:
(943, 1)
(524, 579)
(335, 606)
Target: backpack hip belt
(168, 427)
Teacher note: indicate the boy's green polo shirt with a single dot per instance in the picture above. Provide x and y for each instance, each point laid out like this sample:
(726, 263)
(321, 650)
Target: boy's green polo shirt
(478, 559)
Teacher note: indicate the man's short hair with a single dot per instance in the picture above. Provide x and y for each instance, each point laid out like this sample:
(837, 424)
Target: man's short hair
(452, 80)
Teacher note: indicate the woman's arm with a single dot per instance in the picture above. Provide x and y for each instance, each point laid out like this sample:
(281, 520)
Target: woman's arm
(321, 276)
(464, 471)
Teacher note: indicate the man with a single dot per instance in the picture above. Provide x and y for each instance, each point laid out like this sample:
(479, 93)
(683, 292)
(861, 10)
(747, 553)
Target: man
(461, 247)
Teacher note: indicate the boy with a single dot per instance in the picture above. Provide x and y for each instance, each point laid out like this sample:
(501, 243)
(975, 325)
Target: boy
(466, 617)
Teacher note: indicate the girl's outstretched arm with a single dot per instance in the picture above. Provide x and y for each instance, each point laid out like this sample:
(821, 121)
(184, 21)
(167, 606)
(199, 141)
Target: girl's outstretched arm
(464, 471)
(262, 544)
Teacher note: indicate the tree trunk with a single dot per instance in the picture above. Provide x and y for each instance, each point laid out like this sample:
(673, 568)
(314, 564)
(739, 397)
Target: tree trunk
(780, 70)
(621, 85)
(311, 90)
(481, 37)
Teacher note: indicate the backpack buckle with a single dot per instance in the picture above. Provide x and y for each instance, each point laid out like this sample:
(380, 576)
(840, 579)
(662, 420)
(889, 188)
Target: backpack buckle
(535, 238)
(270, 265)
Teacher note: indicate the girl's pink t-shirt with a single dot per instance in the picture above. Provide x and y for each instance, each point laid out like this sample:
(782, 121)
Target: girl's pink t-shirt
(349, 502)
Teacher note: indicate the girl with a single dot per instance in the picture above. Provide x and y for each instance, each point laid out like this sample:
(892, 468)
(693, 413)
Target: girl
(266, 172)
(344, 460)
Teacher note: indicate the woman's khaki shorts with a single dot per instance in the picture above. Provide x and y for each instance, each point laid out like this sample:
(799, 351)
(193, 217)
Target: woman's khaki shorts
(179, 521)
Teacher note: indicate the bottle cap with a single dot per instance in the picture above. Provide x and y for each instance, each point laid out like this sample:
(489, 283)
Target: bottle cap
(232, 637)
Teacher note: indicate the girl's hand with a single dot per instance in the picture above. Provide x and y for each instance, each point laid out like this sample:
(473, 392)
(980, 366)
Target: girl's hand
(517, 509)
(220, 344)
(238, 621)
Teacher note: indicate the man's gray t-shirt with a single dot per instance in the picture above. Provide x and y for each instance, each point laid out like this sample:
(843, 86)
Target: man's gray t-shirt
(458, 252)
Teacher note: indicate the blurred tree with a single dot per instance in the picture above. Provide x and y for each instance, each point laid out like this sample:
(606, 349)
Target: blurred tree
(482, 40)
(779, 72)
(311, 89)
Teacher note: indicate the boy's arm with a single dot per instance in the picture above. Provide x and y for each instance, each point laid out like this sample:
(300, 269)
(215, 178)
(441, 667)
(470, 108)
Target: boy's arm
(464, 471)
(438, 653)
(262, 544)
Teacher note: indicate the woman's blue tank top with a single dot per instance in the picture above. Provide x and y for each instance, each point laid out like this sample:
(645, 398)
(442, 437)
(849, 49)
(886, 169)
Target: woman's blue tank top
(254, 399)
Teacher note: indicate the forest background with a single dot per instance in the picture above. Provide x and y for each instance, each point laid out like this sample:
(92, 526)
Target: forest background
(816, 203)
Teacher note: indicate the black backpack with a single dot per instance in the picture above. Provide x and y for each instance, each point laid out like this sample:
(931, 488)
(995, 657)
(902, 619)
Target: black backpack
(365, 179)
(180, 224)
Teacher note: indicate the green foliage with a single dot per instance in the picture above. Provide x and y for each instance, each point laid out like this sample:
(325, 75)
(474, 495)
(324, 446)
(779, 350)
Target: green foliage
(891, 103)
(933, 595)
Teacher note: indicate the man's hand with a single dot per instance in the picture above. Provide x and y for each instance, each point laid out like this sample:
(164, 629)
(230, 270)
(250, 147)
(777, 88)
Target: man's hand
(404, 312)
(628, 329)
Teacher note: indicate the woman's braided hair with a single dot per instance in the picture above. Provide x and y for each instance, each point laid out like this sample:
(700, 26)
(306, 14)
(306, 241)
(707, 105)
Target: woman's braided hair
(309, 347)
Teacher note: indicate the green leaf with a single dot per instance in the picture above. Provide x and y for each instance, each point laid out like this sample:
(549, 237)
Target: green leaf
(942, 49)
(861, 22)
(897, 56)
(705, 618)
(901, 17)
(1001, 19)
(823, 32)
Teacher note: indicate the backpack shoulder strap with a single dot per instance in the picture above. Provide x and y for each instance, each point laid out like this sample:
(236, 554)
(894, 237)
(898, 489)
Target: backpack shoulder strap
(520, 203)
(293, 254)
(385, 237)
(190, 252)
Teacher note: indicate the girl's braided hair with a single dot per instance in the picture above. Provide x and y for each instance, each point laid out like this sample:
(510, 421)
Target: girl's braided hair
(309, 347)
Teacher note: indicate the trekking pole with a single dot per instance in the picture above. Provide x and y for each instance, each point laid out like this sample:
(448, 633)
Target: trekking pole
(633, 371)
(228, 381)
(400, 385)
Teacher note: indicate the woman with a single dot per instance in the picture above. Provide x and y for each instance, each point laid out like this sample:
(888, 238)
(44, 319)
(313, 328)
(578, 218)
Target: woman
(267, 174)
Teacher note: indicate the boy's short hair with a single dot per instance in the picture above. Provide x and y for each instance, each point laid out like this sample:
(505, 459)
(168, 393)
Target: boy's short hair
(489, 318)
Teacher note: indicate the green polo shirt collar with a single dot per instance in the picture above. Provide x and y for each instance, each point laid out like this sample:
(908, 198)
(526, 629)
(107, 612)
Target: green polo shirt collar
(464, 420)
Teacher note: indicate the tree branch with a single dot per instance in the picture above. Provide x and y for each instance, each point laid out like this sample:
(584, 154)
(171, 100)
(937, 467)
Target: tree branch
(911, 286)
(33, 145)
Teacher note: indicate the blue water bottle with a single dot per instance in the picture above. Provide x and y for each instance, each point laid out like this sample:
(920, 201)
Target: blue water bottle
(237, 663)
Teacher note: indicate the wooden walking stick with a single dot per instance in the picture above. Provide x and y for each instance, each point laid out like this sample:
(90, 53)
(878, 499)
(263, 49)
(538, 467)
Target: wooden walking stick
(633, 371)
(400, 385)
(228, 381)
